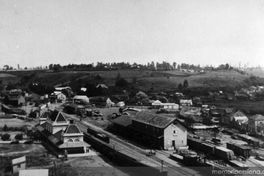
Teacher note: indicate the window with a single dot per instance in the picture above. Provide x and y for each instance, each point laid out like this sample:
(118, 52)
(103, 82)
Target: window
(70, 140)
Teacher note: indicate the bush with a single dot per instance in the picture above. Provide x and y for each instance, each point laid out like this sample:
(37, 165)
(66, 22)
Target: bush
(19, 137)
(5, 137)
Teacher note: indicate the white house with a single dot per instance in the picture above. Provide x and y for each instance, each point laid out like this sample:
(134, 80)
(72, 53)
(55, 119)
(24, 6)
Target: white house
(55, 122)
(168, 106)
(58, 96)
(186, 102)
(65, 135)
(81, 99)
(239, 118)
(109, 102)
(62, 88)
(120, 104)
(171, 106)
(156, 104)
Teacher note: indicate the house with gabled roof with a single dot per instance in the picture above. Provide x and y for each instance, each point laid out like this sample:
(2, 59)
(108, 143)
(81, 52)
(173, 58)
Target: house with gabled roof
(158, 131)
(56, 122)
(65, 135)
(239, 119)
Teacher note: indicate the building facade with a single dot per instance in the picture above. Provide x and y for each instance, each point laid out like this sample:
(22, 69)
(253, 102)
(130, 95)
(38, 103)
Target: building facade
(63, 134)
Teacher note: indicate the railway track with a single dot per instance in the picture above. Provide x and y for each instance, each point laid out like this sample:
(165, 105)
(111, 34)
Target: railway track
(120, 144)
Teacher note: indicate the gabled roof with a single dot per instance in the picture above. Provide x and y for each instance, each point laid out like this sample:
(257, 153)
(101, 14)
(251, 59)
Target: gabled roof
(157, 102)
(57, 116)
(58, 134)
(102, 86)
(153, 119)
(239, 114)
(257, 117)
(81, 97)
(72, 128)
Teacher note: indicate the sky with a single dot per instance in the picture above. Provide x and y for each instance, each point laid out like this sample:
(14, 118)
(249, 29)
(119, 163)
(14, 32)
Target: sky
(205, 32)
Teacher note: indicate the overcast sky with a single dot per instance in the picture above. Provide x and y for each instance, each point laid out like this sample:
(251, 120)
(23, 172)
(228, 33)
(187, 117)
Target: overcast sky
(40, 32)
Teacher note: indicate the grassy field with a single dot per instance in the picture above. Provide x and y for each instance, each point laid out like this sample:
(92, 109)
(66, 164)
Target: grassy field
(6, 75)
(142, 79)
(20, 149)
(14, 123)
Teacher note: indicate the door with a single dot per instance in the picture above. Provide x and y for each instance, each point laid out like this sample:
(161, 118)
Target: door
(173, 143)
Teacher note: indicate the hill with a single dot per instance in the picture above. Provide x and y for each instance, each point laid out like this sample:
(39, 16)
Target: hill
(141, 79)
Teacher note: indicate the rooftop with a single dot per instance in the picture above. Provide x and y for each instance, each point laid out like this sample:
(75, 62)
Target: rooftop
(57, 116)
(33, 172)
(257, 117)
(153, 119)
(123, 120)
(72, 128)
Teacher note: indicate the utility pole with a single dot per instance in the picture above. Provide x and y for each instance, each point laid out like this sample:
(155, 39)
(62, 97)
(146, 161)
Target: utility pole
(162, 162)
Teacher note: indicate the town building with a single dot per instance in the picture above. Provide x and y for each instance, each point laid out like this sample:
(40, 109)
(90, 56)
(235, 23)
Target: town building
(185, 102)
(15, 97)
(167, 106)
(81, 99)
(57, 96)
(239, 120)
(60, 89)
(18, 164)
(191, 113)
(158, 131)
(156, 104)
(65, 136)
(256, 124)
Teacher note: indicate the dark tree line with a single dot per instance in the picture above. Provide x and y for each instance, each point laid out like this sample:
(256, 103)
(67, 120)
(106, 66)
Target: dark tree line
(126, 65)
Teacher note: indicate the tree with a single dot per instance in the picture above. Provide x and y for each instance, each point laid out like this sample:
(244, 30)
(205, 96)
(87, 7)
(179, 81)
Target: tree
(185, 84)
(5, 137)
(174, 65)
(180, 86)
(5, 128)
(19, 137)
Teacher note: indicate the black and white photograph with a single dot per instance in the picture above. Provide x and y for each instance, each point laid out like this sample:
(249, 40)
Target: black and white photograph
(131, 87)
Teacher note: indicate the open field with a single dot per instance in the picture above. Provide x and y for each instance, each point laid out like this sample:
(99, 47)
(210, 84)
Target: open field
(14, 123)
(20, 149)
(6, 75)
(142, 79)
